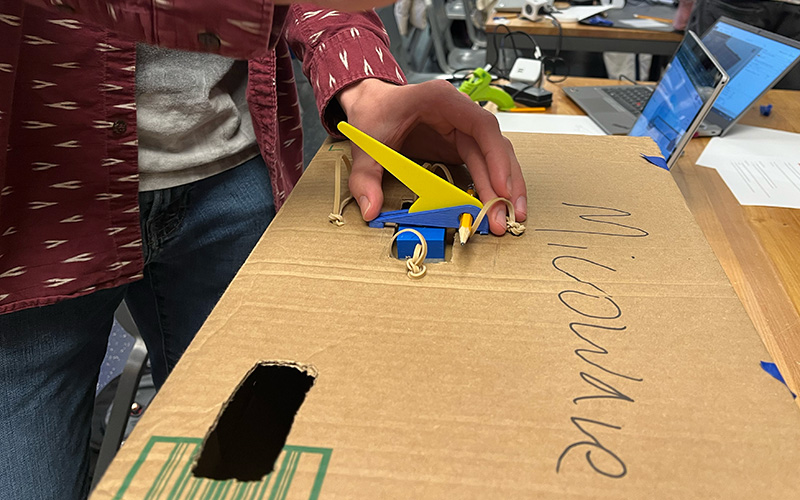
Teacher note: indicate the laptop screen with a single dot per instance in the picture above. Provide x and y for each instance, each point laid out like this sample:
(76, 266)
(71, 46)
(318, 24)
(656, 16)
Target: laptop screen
(688, 82)
(752, 60)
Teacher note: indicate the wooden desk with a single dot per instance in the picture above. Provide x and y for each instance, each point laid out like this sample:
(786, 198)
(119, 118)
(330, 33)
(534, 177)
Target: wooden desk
(582, 38)
(758, 247)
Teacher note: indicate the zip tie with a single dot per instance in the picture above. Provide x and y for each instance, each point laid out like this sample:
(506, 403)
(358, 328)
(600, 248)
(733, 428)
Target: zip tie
(336, 217)
(414, 264)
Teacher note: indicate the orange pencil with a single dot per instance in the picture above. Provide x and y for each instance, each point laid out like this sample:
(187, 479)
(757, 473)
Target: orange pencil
(465, 221)
(526, 110)
(659, 19)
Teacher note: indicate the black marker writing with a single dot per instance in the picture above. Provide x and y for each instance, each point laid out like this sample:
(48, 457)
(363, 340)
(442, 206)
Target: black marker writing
(567, 246)
(594, 445)
(635, 232)
(600, 349)
(570, 257)
(600, 315)
(568, 298)
(610, 392)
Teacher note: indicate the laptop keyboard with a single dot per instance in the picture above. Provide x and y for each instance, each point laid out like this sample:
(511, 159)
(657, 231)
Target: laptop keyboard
(633, 98)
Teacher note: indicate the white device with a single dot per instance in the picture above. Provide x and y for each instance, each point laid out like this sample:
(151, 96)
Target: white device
(617, 4)
(579, 13)
(526, 71)
(533, 10)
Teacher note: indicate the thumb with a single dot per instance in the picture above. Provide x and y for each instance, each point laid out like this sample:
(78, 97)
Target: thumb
(365, 184)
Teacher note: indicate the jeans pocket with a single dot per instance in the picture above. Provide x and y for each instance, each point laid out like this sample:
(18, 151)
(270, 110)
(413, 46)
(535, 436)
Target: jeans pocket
(706, 13)
(166, 217)
(738, 9)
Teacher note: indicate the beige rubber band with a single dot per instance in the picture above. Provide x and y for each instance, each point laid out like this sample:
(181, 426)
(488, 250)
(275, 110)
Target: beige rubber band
(414, 264)
(512, 226)
(433, 166)
(336, 217)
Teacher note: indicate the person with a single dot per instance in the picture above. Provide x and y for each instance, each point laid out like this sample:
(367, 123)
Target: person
(77, 231)
(778, 16)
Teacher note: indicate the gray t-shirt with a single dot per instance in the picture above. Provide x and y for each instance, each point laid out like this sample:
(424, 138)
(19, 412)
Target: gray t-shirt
(192, 116)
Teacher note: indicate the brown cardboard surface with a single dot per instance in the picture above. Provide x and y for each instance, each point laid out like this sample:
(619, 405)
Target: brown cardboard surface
(599, 355)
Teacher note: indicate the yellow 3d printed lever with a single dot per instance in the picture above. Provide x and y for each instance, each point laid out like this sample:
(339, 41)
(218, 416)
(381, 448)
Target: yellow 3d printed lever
(433, 191)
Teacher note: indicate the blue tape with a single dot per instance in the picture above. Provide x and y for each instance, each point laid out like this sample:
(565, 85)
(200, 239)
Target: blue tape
(597, 20)
(765, 110)
(772, 369)
(656, 160)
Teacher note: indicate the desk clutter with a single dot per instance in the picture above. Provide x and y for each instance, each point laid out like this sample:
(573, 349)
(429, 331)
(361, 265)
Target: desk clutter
(689, 99)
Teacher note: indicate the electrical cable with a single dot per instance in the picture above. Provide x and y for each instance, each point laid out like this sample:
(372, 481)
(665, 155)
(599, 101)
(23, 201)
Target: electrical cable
(454, 78)
(556, 59)
(537, 51)
(502, 68)
(623, 77)
(557, 24)
(503, 71)
(499, 49)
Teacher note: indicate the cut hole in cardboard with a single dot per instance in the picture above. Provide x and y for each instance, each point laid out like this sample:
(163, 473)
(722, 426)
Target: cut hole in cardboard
(251, 429)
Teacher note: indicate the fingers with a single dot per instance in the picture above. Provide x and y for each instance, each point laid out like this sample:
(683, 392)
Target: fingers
(435, 121)
(472, 156)
(365, 184)
(444, 109)
(425, 144)
(519, 194)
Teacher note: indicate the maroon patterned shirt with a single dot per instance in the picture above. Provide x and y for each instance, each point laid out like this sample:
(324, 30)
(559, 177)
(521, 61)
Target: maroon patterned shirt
(69, 221)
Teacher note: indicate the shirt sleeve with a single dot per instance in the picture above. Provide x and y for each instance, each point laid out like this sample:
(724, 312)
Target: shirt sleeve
(11, 35)
(337, 50)
(239, 29)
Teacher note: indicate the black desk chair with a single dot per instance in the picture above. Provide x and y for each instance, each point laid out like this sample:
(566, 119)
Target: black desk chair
(124, 397)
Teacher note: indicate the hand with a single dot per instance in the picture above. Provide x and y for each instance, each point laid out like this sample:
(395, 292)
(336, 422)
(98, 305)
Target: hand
(434, 121)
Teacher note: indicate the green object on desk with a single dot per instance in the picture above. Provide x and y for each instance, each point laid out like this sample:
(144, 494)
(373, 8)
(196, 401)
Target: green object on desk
(478, 88)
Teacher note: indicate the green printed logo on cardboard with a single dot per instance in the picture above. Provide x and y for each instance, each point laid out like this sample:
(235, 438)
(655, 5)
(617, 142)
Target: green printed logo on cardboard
(299, 473)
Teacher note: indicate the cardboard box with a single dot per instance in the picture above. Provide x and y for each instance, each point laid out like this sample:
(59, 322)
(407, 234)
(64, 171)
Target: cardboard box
(602, 354)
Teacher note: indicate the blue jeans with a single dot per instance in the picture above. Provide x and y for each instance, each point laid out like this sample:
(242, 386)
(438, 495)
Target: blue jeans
(195, 238)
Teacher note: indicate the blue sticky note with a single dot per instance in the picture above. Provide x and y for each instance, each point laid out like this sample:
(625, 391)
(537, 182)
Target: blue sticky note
(656, 160)
(772, 369)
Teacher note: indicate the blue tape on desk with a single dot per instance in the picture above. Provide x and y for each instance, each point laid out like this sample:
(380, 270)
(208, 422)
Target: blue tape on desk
(772, 369)
(656, 160)
(597, 20)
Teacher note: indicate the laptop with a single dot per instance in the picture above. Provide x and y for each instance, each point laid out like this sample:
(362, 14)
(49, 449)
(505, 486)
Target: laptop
(754, 59)
(683, 97)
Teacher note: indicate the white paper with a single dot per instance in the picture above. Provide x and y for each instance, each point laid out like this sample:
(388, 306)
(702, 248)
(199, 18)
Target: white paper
(760, 166)
(744, 140)
(767, 182)
(643, 23)
(575, 14)
(548, 124)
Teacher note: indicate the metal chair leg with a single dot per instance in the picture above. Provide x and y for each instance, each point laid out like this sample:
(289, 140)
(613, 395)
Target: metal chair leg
(124, 397)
